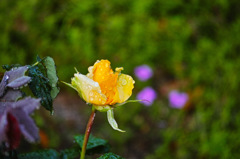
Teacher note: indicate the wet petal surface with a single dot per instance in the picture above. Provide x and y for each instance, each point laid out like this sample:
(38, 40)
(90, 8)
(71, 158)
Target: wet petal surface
(88, 89)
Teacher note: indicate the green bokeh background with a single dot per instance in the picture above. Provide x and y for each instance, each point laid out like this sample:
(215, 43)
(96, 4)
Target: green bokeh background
(191, 45)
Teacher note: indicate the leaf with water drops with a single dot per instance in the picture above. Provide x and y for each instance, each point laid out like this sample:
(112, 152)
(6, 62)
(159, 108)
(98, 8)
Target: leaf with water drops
(44, 82)
(110, 155)
(94, 145)
(44, 154)
(9, 67)
(40, 86)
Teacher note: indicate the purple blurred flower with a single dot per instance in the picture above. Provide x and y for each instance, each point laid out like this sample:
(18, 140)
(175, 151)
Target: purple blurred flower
(15, 114)
(148, 95)
(177, 99)
(15, 120)
(143, 72)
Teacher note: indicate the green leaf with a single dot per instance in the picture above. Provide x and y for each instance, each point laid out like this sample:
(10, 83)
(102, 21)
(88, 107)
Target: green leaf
(44, 83)
(40, 86)
(49, 64)
(70, 153)
(45, 154)
(112, 121)
(94, 145)
(110, 155)
(9, 67)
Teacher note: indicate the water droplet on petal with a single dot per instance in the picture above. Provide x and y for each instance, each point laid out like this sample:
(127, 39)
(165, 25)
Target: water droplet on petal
(91, 93)
(90, 68)
(96, 84)
(91, 99)
(124, 82)
(6, 78)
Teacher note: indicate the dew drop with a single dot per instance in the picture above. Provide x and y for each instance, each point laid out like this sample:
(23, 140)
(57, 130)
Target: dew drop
(6, 78)
(90, 68)
(91, 99)
(124, 82)
(91, 93)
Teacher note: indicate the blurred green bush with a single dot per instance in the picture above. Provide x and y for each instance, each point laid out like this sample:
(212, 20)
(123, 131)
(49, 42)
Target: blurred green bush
(197, 41)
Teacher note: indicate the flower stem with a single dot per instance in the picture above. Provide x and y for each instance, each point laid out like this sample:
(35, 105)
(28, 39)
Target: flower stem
(87, 133)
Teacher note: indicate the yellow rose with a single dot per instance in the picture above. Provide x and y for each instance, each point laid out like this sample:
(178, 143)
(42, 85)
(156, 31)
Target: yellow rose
(103, 88)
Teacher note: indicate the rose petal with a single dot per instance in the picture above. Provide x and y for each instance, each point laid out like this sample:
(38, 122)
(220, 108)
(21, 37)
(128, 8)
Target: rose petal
(88, 89)
(107, 79)
(125, 85)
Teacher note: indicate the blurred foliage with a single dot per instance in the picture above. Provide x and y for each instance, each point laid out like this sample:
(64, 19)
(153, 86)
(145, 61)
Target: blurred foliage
(95, 145)
(194, 41)
(110, 156)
